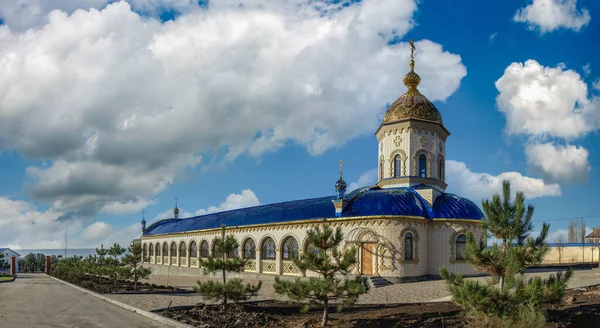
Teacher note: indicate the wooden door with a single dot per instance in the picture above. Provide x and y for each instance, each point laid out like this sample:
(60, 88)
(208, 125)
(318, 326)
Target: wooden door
(367, 258)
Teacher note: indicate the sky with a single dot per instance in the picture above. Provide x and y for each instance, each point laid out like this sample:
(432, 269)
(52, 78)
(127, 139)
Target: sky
(111, 109)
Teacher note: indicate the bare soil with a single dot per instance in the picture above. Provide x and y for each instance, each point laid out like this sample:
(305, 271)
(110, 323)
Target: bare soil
(579, 308)
(122, 286)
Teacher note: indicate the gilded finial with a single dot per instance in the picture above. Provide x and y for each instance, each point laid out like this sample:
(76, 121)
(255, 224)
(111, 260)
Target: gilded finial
(412, 79)
(341, 163)
(412, 54)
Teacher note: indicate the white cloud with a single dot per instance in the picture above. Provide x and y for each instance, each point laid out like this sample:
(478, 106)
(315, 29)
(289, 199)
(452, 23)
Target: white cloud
(549, 15)
(587, 69)
(97, 230)
(544, 101)
(493, 36)
(21, 15)
(22, 226)
(559, 163)
(247, 198)
(478, 186)
(132, 206)
(596, 84)
(102, 233)
(368, 178)
(118, 105)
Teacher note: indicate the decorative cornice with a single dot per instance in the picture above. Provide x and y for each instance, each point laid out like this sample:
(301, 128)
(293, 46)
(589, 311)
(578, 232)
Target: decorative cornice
(413, 181)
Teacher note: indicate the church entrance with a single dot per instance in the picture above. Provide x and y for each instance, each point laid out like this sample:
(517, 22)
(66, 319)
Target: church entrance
(367, 259)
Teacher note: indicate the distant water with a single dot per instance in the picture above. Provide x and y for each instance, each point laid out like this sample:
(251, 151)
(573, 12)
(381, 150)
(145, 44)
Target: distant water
(49, 252)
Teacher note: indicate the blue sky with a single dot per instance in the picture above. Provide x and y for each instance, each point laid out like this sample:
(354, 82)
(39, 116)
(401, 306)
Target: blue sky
(108, 112)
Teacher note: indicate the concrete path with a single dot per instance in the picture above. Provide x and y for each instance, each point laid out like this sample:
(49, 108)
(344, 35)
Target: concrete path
(35, 300)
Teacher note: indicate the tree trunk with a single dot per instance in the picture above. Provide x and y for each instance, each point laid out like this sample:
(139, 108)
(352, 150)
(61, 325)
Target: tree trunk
(325, 314)
(135, 284)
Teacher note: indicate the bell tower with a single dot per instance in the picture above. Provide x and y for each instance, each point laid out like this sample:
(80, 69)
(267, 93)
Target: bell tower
(411, 141)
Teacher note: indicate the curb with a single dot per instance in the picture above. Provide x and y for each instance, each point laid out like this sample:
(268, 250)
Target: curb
(147, 314)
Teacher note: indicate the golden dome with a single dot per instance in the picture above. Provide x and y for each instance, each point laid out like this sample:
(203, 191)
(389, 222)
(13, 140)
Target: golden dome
(412, 104)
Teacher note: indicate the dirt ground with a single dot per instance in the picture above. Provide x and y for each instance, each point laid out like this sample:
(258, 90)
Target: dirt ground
(580, 308)
(122, 286)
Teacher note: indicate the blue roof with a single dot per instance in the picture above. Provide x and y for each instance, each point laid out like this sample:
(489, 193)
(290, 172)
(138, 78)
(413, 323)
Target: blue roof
(452, 206)
(371, 201)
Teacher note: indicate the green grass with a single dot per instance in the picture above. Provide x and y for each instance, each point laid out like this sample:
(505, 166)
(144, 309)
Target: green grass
(5, 278)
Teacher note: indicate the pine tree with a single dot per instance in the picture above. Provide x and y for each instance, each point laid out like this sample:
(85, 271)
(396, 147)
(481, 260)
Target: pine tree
(114, 267)
(134, 270)
(507, 296)
(232, 289)
(324, 257)
(101, 265)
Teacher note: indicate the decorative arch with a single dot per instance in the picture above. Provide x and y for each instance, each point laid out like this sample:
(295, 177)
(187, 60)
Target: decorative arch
(213, 249)
(204, 249)
(151, 250)
(441, 164)
(384, 249)
(173, 252)
(165, 249)
(182, 249)
(403, 159)
(249, 248)
(453, 250)
(193, 249)
(415, 245)
(158, 248)
(428, 161)
(289, 247)
(235, 251)
(144, 251)
(268, 248)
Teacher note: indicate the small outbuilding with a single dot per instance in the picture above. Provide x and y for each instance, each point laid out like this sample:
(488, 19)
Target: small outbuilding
(8, 253)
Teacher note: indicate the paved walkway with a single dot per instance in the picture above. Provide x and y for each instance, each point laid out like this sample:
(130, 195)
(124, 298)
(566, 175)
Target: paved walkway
(416, 292)
(35, 300)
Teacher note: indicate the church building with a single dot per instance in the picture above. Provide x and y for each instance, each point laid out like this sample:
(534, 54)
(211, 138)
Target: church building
(405, 227)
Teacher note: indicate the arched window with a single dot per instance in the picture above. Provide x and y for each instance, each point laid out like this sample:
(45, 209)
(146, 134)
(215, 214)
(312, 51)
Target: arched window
(381, 169)
(461, 244)
(193, 249)
(268, 249)
(173, 249)
(249, 249)
(397, 166)
(182, 250)
(422, 166)
(215, 252)
(234, 252)
(151, 253)
(441, 169)
(157, 249)
(165, 249)
(204, 249)
(408, 246)
(290, 248)
(145, 250)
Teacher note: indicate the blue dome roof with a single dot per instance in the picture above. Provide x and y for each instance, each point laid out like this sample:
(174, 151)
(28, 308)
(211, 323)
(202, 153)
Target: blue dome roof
(455, 207)
(371, 201)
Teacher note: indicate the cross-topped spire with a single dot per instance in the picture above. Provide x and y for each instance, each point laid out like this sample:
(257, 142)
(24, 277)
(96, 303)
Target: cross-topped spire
(176, 209)
(341, 164)
(143, 221)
